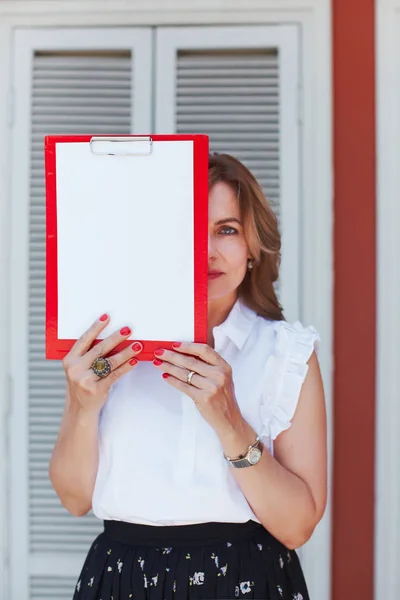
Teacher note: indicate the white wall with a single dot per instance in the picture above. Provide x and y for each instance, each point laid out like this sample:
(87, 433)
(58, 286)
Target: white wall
(313, 16)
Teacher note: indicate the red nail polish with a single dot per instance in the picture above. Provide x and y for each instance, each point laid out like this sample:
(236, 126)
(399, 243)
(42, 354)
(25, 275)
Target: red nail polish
(165, 375)
(157, 363)
(103, 317)
(137, 347)
(159, 352)
(133, 362)
(177, 344)
(125, 331)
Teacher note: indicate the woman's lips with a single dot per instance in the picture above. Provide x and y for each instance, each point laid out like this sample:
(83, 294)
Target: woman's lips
(214, 274)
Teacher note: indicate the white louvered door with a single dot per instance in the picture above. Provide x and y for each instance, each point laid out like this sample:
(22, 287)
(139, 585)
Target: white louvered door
(241, 86)
(66, 82)
(238, 84)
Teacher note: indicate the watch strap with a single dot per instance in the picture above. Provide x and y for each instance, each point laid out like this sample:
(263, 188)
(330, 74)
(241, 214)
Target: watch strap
(242, 461)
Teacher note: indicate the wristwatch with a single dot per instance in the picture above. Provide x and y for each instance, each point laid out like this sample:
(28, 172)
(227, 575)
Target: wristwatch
(249, 458)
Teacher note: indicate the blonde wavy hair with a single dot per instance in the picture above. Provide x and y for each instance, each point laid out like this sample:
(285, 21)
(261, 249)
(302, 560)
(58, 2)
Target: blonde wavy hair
(261, 231)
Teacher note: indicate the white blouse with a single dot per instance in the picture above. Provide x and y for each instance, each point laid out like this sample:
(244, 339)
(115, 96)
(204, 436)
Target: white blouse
(160, 462)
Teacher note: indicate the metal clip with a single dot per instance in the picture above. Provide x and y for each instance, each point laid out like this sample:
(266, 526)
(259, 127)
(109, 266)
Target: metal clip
(122, 146)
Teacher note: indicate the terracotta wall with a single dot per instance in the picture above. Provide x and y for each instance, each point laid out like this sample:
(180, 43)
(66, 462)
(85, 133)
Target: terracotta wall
(355, 298)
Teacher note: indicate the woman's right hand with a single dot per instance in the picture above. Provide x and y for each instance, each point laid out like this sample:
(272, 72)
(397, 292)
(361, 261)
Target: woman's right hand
(87, 390)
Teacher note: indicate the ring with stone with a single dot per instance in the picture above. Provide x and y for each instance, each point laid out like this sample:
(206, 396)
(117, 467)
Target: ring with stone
(101, 367)
(189, 377)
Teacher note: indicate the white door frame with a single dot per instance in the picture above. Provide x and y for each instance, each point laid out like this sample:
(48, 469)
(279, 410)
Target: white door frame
(387, 482)
(314, 19)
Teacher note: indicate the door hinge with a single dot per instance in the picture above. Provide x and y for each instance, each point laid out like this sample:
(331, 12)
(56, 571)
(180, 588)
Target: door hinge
(11, 107)
(9, 396)
(300, 104)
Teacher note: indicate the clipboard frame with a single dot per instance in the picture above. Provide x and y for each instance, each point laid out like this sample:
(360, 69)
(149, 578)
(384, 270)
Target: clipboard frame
(57, 348)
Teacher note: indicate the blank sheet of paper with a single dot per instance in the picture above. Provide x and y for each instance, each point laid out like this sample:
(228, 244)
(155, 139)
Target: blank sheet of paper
(125, 240)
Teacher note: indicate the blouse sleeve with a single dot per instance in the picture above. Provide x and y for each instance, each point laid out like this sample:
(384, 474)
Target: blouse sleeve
(286, 371)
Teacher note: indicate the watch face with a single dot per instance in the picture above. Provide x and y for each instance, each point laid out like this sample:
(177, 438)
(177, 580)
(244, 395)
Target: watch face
(254, 456)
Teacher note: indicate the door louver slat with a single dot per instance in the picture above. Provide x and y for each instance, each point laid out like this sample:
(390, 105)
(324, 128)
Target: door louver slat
(234, 97)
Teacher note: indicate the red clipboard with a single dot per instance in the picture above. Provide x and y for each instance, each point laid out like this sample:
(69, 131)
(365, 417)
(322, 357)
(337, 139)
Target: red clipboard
(67, 178)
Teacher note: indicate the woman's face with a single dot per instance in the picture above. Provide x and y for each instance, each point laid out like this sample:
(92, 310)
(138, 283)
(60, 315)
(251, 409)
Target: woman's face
(227, 248)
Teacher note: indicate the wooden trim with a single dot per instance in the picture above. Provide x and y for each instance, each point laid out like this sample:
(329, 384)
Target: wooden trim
(5, 329)
(387, 487)
(175, 11)
(355, 299)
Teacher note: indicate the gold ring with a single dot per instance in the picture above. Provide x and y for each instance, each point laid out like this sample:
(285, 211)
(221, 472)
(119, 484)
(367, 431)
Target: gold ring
(101, 367)
(189, 377)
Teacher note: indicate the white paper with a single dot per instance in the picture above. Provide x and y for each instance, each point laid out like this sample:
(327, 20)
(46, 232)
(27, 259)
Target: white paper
(126, 241)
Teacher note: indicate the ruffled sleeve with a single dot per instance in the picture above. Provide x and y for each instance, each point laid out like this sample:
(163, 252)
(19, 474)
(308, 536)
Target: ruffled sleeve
(286, 370)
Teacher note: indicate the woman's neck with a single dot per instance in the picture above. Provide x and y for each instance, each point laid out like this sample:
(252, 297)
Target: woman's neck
(218, 310)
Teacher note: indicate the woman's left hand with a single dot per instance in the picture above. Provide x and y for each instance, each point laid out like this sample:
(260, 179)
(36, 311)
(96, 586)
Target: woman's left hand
(211, 386)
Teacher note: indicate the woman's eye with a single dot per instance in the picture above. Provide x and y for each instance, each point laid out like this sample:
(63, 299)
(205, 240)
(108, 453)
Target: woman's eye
(228, 231)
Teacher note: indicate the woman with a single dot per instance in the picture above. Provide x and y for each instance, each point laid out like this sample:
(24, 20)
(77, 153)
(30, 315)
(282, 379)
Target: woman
(208, 465)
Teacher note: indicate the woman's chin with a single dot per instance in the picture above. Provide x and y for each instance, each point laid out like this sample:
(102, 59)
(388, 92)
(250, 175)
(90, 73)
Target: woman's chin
(218, 293)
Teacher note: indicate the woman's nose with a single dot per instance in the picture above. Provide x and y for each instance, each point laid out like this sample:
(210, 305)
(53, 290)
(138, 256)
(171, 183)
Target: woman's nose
(211, 247)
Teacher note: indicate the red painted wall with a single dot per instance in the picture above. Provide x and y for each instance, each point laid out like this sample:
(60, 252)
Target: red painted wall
(355, 298)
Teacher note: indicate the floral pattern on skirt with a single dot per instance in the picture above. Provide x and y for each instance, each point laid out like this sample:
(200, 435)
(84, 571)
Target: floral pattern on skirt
(259, 567)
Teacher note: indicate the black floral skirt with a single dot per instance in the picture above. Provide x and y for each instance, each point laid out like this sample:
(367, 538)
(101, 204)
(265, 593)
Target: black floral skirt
(206, 561)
